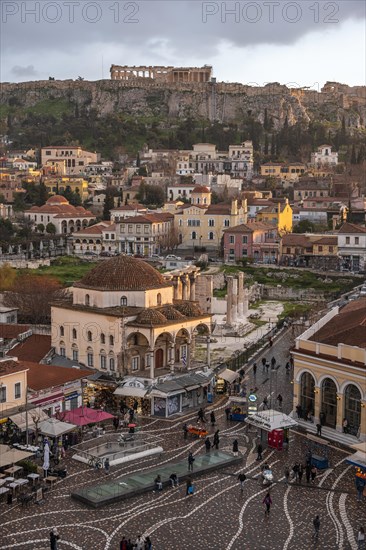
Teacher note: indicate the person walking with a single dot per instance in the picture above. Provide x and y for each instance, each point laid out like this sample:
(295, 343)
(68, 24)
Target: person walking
(313, 474)
(242, 477)
(299, 411)
(212, 418)
(295, 471)
(227, 412)
(208, 444)
(316, 524)
(273, 362)
(107, 466)
(322, 418)
(267, 501)
(319, 430)
(267, 367)
(287, 475)
(280, 399)
(188, 485)
(361, 538)
(263, 365)
(115, 423)
(255, 370)
(54, 537)
(265, 403)
(148, 544)
(190, 462)
(139, 543)
(360, 486)
(301, 472)
(123, 544)
(185, 431)
(235, 447)
(201, 416)
(308, 472)
(259, 451)
(216, 440)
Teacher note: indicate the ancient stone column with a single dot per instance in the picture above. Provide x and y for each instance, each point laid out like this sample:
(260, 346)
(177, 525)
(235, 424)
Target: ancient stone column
(185, 283)
(192, 280)
(229, 300)
(240, 294)
(235, 301)
(171, 356)
(246, 302)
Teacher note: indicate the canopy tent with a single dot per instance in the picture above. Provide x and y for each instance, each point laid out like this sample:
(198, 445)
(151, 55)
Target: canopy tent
(12, 456)
(229, 375)
(54, 428)
(34, 415)
(359, 457)
(271, 420)
(84, 415)
(130, 391)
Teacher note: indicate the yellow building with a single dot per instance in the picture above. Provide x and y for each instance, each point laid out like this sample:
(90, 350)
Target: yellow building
(279, 215)
(202, 224)
(77, 184)
(330, 372)
(13, 387)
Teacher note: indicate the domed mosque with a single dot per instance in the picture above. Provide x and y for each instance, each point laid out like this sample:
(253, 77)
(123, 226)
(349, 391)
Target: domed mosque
(127, 319)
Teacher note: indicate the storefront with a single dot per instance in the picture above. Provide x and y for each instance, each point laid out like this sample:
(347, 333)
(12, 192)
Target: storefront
(358, 460)
(273, 427)
(224, 380)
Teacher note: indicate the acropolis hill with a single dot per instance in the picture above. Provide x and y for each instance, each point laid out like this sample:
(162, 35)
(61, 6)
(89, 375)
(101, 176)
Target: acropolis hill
(175, 92)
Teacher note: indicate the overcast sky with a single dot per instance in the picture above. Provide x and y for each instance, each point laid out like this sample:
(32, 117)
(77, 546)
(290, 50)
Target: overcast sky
(304, 43)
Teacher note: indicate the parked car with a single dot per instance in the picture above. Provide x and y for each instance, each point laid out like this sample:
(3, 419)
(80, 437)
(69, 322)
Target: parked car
(105, 254)
(90, 253)
(172, 257)
(156, 257)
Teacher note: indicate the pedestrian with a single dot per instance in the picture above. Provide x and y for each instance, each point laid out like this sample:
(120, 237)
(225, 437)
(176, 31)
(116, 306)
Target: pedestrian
(191, 459)
(316, 524)
(313, 474)
(280, 399)
(216, 440)
(54, 537)
(213, 418)
(208, 444)
(267, 367)
(270, 342)
(148, 545)
(139, 543)
(295, 471)
(158, 483)
(309, 456)
(299, 410)
(273, 362)
(107, 466)
(242, 477)
(319, 429)
(308, 472)
(292, 362)
(131, 414)
(227, 412)
(263, 364)
(267, 501)
(135, 405)
(123, 544)
(345, 425)
(259, 451)
(255, 369)
(287, 367)
(115, 423)
(173, 480)
(287, 475)
(188, 485)
(301, 472)
(185, 431)
(361, 538)
(235, 447)
(360, 486)
(201, 415)
(130, 545)
(265, 402)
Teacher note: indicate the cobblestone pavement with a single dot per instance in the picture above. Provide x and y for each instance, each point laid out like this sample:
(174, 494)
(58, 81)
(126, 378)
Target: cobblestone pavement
(219, 516)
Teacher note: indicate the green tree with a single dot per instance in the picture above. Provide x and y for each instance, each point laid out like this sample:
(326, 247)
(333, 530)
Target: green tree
(43, 194)
(40, 228)
(304, 226)
(51, 229)
(353, 155)
(108, 205)
(151, 194)
(6, 230)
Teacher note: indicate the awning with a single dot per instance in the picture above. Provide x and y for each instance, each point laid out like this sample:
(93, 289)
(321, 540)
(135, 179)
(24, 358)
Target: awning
(229, 375)
(34, 415)
(12, 456)
(129, 391)
(357, 459)
(54, 428)
(271, 420)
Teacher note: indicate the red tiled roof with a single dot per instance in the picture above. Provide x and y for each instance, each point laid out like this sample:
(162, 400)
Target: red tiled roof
(34, 348)
(352, 228)
(10, 367)
(293, 239)
(329, 240)
(218, 209)
(9, 331)
(41, 376)
(201, 189)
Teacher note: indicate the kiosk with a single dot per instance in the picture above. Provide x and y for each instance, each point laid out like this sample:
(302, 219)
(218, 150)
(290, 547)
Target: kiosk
(239, 408)
(358, 459)
(272, 425)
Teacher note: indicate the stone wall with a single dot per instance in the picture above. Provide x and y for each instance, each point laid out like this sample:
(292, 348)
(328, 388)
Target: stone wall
(286, 293)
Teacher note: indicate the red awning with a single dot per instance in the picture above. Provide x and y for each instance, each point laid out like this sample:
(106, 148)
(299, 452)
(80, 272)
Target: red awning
(84, 415)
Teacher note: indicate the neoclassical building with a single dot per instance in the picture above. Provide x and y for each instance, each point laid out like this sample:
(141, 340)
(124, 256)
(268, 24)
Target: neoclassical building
(330, 369)
(58, 211)
(127, 318)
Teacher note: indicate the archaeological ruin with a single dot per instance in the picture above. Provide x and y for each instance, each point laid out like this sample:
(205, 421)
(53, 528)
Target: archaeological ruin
(162, 74)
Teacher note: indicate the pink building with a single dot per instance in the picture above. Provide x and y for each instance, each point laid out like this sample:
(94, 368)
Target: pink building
(257, 240)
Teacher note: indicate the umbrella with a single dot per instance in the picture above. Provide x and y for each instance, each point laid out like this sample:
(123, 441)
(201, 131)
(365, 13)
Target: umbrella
(131, 425)
(11, 456)
(46, 458)
(84, 415)
(40, 245)
(54, 428)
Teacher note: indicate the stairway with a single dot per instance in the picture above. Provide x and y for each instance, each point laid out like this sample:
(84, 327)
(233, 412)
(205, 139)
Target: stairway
(327, 433)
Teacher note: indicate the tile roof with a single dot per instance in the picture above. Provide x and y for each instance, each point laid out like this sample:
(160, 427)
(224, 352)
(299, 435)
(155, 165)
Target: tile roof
(328, 240)
(10, 367)
(218, 209)
(348, 327)
(352, 228)
(296, 239)
(41, 376)
(10, 331)
(34, 348)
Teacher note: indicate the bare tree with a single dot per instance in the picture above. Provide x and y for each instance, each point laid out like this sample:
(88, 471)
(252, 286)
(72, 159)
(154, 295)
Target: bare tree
(170, 241)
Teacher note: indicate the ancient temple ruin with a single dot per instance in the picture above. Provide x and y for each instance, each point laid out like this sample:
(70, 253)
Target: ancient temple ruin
(161, 74)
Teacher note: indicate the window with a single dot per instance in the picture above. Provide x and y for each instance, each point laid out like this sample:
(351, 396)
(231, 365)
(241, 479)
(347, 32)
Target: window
(245, 239)
(226, 223)
(210, 236)
(112, 364)
(74, 333)
(135, 363)
(194, 236)
(75, 355)
(89, 336)
(211, 223)
(231, 252)
(103, 362)
(62, 351)
(17, 390)
(62, 331)
(138, 228)
(357, 240)
(130, 228)
(124, 301)
(331, 249)
(111, 340)
(2, 394)
(232, 239)
(320, 248)
(244, 252)
(102, 338)
(158, 299)
(146, 228)
(87, 300)
(347, 240)
(90, 359)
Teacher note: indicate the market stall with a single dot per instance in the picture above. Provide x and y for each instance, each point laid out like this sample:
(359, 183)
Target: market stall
(238, 408)
(225, 378)
(273, 427)
(358, 460)
(82, 416)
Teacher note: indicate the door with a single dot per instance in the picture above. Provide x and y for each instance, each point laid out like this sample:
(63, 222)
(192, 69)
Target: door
(329, 402)
(159, 358)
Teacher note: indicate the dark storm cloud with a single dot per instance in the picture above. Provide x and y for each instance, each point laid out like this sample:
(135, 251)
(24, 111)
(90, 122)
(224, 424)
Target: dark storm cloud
(177, 27)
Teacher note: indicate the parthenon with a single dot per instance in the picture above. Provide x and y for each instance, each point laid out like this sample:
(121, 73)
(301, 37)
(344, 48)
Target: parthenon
(162, 74)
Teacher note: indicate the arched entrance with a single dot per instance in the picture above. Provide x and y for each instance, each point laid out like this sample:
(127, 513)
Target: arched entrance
(352, 408)
(329, 402)
(307, 397)
(159, 358)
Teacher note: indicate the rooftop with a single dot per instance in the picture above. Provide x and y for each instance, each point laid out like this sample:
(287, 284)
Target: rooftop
(41, 376)
(34, 348)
